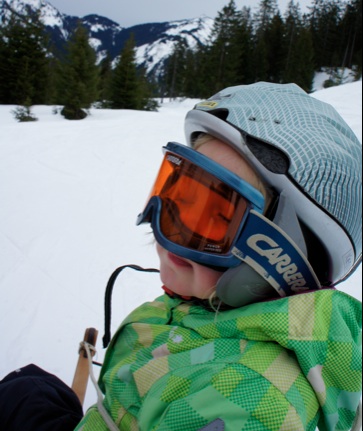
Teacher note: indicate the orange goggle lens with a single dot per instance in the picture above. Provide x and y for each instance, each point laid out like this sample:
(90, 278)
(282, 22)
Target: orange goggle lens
(198, 210)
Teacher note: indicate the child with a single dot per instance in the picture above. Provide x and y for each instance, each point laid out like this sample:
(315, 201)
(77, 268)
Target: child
(255, 222)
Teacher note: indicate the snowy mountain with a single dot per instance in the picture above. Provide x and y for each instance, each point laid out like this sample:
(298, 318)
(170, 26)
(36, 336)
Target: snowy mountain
(154, 41)
(152, 52)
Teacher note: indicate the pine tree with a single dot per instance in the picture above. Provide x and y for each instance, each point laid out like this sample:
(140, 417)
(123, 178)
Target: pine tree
(198, 73)
(301, 67)
(260, 61)
(264, 16)
(325, 17)
(4, 97)
(350, 29)
(125, 92)
(293, 25)
(146, 91)
(224, 51)
(193, 69)
(79, 76)
(244, 41)
(105, 81)
(276, 53)
(299, 62)
(176, 70)
(265, 20)
(24, 64)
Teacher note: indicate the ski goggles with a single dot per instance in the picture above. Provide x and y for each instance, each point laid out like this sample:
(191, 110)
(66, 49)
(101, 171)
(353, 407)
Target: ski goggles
(197, 208)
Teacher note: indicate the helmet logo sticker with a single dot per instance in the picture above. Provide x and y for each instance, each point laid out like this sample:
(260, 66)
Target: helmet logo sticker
(208, 104)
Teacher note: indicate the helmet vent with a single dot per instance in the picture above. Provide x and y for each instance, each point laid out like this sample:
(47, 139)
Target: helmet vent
(222, 114)
(269, 156)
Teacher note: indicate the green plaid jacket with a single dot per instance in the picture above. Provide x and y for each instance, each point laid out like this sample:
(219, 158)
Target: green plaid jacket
(289, 364)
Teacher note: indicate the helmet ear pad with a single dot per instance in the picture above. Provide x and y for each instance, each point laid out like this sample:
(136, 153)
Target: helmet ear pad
(242, 285)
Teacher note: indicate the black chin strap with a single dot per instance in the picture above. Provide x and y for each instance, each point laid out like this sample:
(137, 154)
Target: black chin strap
(108, 298)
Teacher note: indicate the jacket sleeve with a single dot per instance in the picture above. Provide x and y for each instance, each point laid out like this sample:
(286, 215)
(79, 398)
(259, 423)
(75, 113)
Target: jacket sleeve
(33, 399)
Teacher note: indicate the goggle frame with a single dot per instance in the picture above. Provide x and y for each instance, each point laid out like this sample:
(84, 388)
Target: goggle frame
(152, 211)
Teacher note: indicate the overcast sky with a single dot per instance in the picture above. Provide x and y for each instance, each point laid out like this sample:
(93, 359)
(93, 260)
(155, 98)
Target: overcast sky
(132, 12)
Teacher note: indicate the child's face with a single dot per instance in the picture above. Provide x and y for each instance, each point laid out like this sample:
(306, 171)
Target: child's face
(183, 276)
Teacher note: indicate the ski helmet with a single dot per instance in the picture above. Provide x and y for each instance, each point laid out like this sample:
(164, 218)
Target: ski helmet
(304, 151)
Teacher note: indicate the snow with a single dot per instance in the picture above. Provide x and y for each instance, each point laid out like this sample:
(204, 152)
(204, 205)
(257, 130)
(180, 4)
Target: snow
(346, 75)
(70, 194)
(48, 14)
(98, 27)
(95, 43)
(202, 25)
(153, 53)
(347, 101)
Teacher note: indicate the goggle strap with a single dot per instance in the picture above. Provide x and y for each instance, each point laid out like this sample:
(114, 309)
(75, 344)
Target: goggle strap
(275, 256)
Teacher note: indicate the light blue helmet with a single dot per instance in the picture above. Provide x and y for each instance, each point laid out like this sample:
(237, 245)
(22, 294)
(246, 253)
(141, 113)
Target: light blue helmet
(303, 149)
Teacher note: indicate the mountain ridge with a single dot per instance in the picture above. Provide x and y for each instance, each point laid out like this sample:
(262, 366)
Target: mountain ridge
(154, 41)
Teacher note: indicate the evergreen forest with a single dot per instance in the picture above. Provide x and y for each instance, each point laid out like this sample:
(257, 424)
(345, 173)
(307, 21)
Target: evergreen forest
(244, 47)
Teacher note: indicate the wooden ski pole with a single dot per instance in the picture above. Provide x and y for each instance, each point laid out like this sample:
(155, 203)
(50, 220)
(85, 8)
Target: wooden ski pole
(80, 379)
